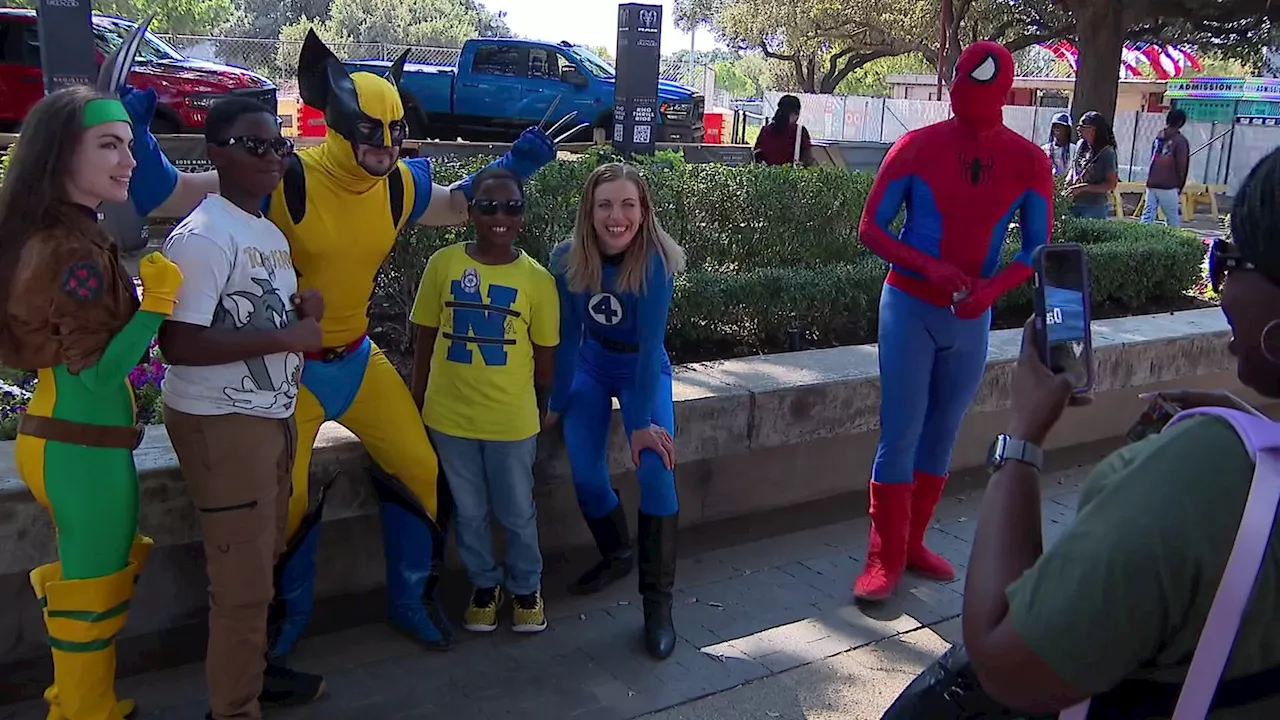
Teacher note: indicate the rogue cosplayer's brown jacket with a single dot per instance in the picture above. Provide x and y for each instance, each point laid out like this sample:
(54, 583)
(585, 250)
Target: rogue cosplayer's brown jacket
(68, 296)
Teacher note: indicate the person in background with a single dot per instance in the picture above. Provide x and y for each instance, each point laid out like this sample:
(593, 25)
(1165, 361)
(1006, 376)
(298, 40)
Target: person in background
(616, 279)
(1095, 171)
(776, 144)
(234, 345)
(1125, 593)
(488, 322)
(1170, 161)
(71, 313)
(1059, 146)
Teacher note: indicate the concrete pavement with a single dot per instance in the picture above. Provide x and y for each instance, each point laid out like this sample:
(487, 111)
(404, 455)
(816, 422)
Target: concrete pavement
(768, 631)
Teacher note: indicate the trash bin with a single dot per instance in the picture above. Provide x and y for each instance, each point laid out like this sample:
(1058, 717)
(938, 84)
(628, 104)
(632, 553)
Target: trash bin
(714, 124)
(310, 122)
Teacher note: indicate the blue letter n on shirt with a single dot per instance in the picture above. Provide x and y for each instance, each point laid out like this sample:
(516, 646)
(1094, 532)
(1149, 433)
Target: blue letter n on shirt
(482, 324)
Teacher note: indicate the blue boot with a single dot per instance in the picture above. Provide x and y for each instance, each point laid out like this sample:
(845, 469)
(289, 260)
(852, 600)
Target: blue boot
(295, 585)
(414, 548)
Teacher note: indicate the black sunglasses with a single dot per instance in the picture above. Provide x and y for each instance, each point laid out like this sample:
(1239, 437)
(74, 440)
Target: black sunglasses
(489, 208)
(1224, 257)
(259, 147)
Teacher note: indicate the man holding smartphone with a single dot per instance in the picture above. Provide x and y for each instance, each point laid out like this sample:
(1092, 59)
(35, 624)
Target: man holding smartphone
(235, 344)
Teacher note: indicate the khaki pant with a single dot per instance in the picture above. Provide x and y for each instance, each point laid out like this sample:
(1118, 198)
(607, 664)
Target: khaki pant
(237, 469)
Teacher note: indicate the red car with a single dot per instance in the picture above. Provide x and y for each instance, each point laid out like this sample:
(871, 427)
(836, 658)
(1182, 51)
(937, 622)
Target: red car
(186, 87)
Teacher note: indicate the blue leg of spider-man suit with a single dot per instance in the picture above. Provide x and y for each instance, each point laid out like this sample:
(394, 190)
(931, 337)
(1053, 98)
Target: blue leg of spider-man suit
(931, 364)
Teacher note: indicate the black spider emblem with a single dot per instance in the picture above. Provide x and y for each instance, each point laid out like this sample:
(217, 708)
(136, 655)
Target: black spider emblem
(976, 170)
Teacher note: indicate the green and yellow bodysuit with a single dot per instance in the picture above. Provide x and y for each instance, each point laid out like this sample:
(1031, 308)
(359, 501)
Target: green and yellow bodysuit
(74, 318)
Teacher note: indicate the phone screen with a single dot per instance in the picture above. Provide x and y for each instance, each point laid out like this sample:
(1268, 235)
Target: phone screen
(1065, 320)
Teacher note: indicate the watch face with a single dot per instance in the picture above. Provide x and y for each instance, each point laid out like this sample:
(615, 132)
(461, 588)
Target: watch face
(995, 456)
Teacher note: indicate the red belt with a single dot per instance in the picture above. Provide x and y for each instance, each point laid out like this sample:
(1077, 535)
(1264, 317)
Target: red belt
(335, 354)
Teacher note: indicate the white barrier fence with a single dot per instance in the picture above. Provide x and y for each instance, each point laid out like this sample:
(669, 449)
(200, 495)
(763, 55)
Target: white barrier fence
(1226, 161)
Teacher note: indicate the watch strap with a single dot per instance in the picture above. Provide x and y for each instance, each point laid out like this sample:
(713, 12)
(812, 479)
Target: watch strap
(1010, 448)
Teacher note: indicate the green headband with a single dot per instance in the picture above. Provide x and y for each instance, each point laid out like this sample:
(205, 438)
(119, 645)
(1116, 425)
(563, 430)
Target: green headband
(100, 111)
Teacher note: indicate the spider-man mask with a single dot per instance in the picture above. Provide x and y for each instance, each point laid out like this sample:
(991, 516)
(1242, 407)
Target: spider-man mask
(983, 78)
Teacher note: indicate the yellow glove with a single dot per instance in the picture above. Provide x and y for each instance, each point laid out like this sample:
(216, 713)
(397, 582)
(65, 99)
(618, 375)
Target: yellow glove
(160, 282)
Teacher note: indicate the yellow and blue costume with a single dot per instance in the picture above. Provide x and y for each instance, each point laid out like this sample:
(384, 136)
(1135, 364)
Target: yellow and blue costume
(341, 223)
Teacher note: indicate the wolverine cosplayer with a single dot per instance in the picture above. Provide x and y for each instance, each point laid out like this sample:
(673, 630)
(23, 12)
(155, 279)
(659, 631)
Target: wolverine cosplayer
(341, 205)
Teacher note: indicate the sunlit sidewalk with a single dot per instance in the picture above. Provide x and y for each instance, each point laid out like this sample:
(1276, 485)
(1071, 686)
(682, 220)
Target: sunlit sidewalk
(768, 630)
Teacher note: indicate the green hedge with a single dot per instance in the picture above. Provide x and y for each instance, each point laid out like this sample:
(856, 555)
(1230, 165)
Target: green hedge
(775, 249)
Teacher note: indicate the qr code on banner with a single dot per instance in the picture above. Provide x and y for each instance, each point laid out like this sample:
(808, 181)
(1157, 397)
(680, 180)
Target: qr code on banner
(641, 134)
(617, 132)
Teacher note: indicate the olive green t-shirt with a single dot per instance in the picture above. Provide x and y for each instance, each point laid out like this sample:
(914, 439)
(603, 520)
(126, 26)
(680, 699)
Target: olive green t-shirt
(1125, 591)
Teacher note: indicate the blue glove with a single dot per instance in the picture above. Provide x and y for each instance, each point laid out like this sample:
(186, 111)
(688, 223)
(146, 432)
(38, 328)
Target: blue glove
(528, 154)
(155, 178)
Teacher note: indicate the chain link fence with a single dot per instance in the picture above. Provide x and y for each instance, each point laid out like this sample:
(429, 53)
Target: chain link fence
(278, 59)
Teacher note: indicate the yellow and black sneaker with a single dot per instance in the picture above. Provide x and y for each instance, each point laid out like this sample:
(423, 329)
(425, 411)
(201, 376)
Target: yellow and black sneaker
(528, 615)
(482, 613)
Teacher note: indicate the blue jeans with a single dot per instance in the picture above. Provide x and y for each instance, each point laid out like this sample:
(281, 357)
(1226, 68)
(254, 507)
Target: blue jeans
(484, 475)
(1091, 212)
(1170, 201)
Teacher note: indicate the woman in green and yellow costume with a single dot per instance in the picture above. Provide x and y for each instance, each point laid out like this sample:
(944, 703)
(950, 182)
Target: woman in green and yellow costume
(69, 312)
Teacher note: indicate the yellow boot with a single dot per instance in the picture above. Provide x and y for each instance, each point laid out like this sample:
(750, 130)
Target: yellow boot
(83, 618)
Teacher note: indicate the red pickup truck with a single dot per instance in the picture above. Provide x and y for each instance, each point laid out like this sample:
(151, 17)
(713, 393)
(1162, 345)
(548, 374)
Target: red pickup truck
(186, 87)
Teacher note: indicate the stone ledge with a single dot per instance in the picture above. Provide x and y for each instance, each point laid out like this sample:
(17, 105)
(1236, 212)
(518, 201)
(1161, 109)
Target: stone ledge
(723, 409)
(755, 435)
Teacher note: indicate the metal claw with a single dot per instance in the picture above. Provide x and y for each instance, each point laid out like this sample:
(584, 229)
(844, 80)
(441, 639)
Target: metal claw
(563, 121)
(571, 133)
(115, 71)
(550, 110)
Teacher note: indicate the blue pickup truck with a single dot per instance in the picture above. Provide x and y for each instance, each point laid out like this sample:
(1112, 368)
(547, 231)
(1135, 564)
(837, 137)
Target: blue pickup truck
(502, 86)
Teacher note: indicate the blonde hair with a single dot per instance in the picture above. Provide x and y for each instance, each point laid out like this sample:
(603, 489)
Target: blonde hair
(583, 263)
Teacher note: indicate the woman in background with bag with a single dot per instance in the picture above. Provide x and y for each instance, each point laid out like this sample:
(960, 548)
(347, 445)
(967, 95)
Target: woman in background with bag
(1136, 613)
(784, 141)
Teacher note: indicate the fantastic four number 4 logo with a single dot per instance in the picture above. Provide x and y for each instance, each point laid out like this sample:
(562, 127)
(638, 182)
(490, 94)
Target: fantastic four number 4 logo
(605, 309)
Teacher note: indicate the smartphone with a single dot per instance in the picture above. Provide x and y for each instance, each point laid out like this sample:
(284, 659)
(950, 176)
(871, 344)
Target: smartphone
(1062, 295)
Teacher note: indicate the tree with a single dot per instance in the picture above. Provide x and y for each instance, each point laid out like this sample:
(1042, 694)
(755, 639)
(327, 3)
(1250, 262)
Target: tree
(693, 14)
(602, 52)
(1016, 24)
(179, 17)
(822, 41)
(1238, 27)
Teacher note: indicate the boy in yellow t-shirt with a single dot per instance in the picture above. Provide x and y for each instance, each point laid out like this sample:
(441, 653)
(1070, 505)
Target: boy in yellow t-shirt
(488, 320)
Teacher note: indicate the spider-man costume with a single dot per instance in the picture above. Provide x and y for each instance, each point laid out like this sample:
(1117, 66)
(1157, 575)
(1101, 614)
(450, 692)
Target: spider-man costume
(961, 180)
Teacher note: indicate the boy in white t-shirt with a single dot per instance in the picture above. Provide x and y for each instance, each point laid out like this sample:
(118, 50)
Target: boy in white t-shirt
(235, 344)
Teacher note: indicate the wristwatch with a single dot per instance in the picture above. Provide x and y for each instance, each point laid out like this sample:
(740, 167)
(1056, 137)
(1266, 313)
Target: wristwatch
(1006, 448)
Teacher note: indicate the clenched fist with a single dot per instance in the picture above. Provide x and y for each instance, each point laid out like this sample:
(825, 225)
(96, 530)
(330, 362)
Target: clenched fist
(161, 280)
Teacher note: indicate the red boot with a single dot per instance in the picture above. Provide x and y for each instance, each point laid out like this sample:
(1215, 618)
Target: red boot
(887, 549)
(920, 559)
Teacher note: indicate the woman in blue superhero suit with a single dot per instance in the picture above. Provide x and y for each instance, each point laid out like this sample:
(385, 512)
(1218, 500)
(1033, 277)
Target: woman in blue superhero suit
(615, 282)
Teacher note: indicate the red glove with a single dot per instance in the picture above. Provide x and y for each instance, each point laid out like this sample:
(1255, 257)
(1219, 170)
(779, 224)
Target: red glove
(947, 276)
(980, 299)
(985, 293)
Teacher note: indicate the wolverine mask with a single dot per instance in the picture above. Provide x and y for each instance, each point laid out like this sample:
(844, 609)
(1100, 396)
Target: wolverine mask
(361, 107)
(983, 78)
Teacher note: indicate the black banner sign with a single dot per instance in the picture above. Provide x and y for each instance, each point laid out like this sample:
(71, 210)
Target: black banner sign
(635, 110)
(65, 28)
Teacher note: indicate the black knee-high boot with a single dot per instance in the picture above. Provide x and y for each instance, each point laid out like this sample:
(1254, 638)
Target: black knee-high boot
(657, 540)
(616, 559)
